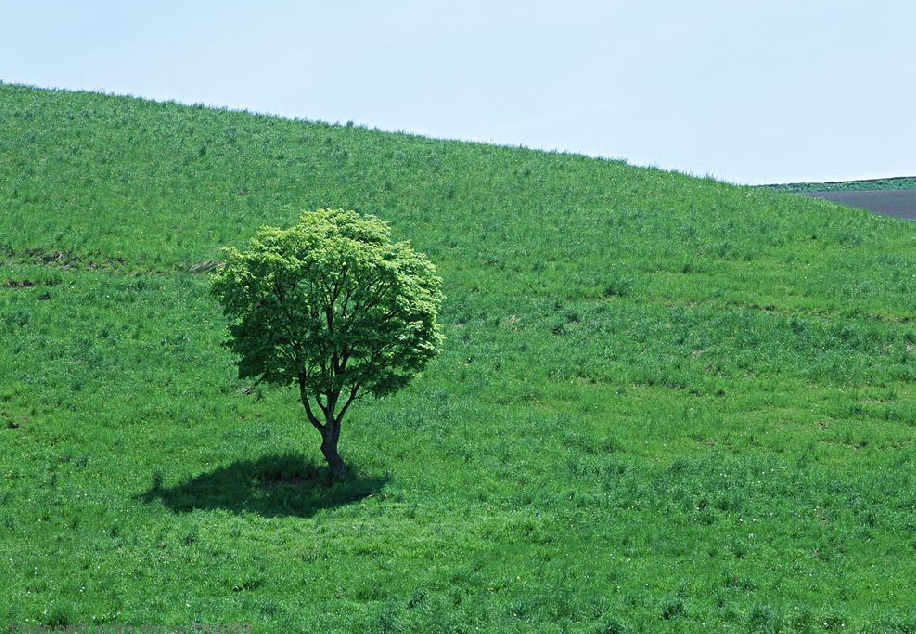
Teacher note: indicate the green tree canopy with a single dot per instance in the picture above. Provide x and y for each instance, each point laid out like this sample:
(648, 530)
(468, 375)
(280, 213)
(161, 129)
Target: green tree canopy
(332, 305)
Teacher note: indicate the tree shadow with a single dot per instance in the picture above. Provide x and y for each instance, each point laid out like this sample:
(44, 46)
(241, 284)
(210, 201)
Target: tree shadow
(271, 486)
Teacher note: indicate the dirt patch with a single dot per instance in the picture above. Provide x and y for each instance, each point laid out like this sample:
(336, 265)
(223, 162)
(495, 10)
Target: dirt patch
(67, 259)
(29, 283)
(8, 421)
(204, 266)
(20, 284)
(63, 257)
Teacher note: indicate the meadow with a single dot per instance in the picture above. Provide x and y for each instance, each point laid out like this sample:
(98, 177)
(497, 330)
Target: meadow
(665, 403)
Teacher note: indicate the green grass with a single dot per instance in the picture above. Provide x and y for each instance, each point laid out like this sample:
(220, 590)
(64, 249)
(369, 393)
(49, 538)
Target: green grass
(902, 182)
(666, 404)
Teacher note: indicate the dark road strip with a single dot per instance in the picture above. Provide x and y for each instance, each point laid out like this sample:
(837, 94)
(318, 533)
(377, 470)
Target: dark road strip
(889, 202)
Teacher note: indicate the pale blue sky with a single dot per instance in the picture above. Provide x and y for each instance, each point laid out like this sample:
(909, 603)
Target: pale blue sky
(745, 91)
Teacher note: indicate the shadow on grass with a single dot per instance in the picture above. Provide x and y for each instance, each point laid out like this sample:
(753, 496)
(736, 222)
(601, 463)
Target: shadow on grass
(271, 486)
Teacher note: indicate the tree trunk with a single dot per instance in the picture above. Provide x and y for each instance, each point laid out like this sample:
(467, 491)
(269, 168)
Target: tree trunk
(329, 449)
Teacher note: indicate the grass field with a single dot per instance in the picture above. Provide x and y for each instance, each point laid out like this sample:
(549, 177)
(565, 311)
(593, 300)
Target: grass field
(665, 404)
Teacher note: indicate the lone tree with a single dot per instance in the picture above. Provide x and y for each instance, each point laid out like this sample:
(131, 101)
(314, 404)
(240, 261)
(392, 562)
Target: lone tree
(333, 306)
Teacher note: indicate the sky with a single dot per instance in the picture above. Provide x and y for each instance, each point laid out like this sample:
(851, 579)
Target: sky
(748, 92)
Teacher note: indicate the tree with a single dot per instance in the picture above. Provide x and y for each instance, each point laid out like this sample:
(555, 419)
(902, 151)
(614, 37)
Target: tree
(333, 306)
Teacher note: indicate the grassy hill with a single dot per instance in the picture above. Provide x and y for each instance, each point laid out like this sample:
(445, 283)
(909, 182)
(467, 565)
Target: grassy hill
(666, 404)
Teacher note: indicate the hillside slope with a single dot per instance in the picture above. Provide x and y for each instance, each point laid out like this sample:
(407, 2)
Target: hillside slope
(666, 404)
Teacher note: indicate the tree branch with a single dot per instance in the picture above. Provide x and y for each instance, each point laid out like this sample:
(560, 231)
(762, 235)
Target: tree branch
(312, 418)
(350, 399)
(303, 395)
(322, 406)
